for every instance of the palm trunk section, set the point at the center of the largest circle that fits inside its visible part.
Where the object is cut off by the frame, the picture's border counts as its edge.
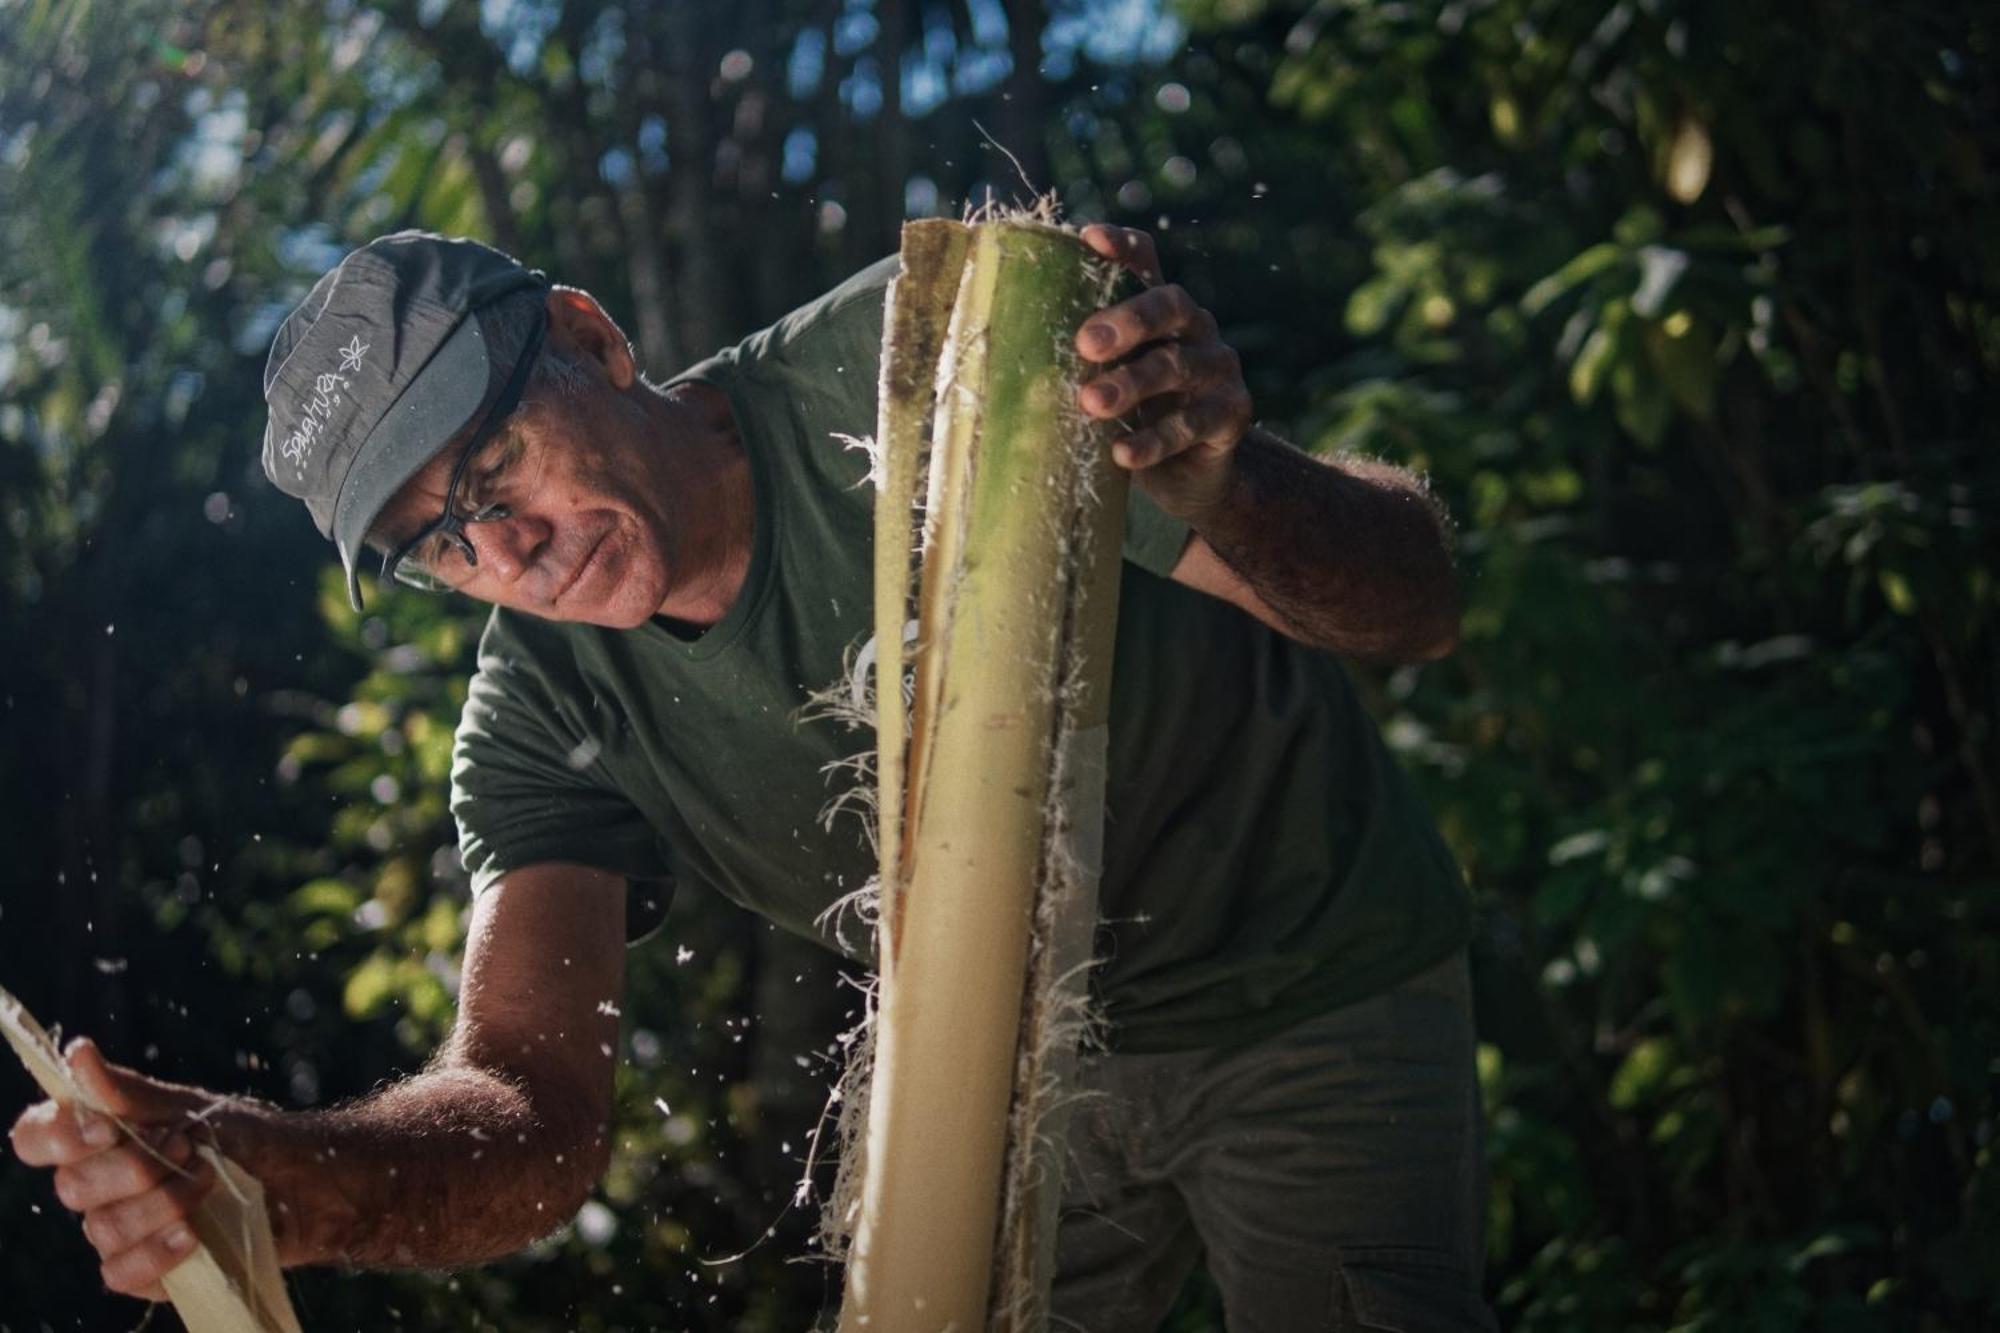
(992, 778)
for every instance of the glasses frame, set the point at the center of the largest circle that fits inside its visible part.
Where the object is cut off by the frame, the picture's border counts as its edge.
(397, 566)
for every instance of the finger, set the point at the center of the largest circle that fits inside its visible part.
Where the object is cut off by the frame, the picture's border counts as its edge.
(1171, 367)
(1128, 246)
(92, 1073)
(1158, 312)
(118, 1227)
(127, 1093)
(138, 1270)
(1215, 421)
(52, 1134)
(120, 1173)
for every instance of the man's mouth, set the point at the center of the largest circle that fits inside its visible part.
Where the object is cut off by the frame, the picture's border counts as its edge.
(582, 567)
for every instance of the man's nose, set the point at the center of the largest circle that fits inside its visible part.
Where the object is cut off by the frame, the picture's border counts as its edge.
(508, 547)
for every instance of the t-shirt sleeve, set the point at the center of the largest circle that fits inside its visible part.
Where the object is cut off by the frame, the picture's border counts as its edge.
(526, 787)
(1154, 539)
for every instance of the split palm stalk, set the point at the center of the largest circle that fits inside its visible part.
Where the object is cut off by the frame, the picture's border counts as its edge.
(231, 1283)
(991, 804)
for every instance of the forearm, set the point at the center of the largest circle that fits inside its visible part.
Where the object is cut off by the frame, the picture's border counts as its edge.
(1351, 555)
(455, 1166)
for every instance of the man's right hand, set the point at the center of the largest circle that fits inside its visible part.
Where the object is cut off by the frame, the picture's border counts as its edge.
(136, 1204)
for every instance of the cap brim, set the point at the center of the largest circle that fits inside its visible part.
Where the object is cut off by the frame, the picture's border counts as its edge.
(435, 407)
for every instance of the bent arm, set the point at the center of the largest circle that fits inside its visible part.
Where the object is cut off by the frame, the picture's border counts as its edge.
(1348, 555)
(500, 1139)
(493, 1146)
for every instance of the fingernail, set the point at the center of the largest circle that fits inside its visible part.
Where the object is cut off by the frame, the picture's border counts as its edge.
(1103, 397)
(180, 1238)
(1097, 337)
(98, 1132)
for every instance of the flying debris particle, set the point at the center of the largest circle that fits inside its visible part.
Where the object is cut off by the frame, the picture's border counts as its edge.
(111, 967)
(596, 1224)
(683, 955)
(608, 1008)
(1172, 98)
(661, 1103)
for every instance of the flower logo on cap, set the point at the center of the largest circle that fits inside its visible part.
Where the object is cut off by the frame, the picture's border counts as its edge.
(350, 355)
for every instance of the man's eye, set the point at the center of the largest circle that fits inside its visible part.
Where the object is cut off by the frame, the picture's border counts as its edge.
(487, 482)
(437, 552)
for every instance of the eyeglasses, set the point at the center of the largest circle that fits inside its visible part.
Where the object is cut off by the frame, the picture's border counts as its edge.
(407, 563)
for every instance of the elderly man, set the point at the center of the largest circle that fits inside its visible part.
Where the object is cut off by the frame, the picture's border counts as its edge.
(1288, 1085)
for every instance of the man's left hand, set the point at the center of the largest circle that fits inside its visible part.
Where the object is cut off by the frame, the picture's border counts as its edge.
(1175, 379)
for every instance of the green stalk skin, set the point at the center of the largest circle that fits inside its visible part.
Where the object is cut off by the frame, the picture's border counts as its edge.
(1054, 1006)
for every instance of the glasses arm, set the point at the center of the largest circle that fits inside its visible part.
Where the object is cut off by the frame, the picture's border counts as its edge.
(503, 406)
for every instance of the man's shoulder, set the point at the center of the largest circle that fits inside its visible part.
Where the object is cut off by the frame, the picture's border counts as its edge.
(859, 296)
(847, 317)
(529, 658)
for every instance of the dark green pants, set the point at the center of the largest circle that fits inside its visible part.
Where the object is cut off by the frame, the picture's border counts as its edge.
(1333, 1175)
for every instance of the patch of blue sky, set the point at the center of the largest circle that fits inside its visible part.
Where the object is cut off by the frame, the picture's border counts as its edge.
(979, 70)
(924, 85)
(210, 158)
(653, 144)
(603, 47)
(940, 40)
(519, 27)
(807, 64)
(801, 156)
(861, 91)
(989, 22)
(854, 30)
(920, 197)
(617, 168)
(1113, 32)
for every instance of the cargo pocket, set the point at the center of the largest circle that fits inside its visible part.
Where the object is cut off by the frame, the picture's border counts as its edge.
(1402, 1290)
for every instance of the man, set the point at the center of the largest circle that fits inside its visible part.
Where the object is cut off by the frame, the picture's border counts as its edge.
(1289, 1082)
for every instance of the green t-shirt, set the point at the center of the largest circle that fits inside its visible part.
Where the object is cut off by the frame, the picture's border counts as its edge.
(1264, 858)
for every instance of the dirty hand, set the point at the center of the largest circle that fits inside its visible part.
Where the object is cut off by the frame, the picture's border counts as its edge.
(135, 1207)
(1182, 383)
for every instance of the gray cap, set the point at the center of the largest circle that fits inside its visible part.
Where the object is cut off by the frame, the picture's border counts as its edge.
(376, 370)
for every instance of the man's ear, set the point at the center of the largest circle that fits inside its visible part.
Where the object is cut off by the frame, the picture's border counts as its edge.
(577, 321)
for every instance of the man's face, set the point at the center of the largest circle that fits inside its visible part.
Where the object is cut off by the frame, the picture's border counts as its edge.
(592, 533)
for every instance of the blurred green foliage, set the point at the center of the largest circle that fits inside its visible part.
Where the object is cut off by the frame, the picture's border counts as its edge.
(1687, 308)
